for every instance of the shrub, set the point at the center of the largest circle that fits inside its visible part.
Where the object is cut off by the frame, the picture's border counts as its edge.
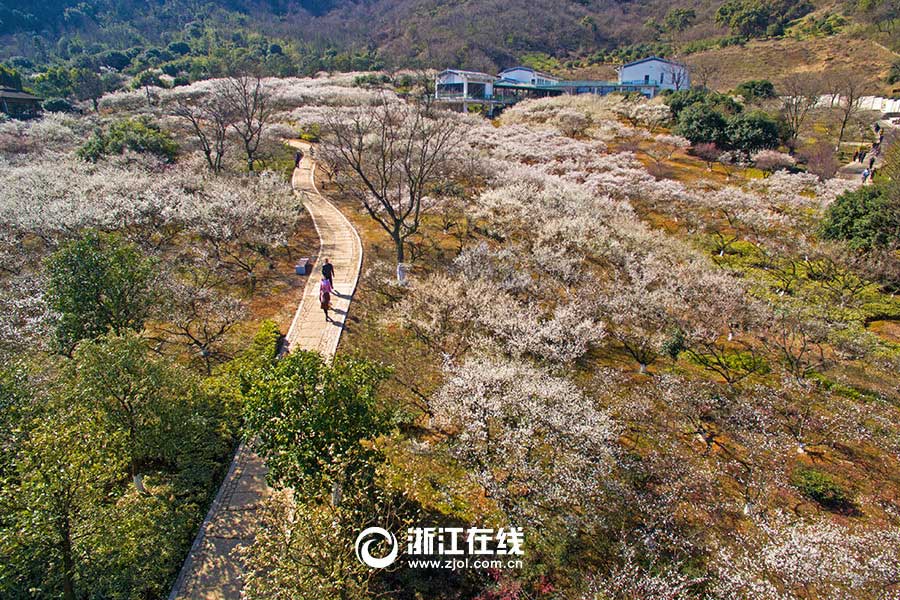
(138, 135)
(771, 160)
(701, 124)
(58, 105)
(755, 18)
(820, 159)
(822, 488)
(755, 90)
(9, 77)
(865, 218)
(305, 413)
(98, 283)
(894, 74)
(749, 132)
(683, 99)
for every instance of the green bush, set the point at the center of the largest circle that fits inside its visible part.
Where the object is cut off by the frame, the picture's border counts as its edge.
(138, 135)
(682, 99)
(304, 413)
(98, 283)
(866, 218)
(370, 80)
(822, 488)
(756, 18)
(749, 132)
(58, 105)
(700, 124)
(754, 90)
(894, 74)
(10, 78)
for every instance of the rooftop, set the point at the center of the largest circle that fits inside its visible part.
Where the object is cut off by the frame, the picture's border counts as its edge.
(649, 58)
(472, 74)
(535, 71)
(13, 94)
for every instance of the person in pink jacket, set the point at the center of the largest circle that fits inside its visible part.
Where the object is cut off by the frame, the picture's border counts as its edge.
(325, 291)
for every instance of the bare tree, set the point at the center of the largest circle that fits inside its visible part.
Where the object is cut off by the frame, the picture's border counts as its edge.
(799, 94)
(209, 120)
(200, 317)
(678, 75)
(847, 89)
(388, 157)
(249, 99)
(705, 71)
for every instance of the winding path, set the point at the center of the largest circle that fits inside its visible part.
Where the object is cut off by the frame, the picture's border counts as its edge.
(212, 569)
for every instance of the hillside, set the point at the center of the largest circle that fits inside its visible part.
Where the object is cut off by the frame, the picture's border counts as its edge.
(773, 59)
(485, 34)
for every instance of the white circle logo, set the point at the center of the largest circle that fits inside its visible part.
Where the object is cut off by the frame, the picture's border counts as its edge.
(376, 534)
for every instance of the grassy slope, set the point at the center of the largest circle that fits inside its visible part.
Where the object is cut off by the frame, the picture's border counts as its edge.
(774, 59)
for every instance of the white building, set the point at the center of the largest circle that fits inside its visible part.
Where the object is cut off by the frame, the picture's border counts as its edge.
(527, 76)
(659, 72)
(456, 84)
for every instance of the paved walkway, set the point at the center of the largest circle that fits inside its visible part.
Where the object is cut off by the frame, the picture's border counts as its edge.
(212, 570)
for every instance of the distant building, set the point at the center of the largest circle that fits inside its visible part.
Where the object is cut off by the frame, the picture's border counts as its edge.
(527, 76)
(454, 83)
(19, 104)
(654, 71)
(648, 76)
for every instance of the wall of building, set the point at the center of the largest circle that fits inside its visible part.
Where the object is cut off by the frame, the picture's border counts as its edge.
(656, 72)
(451, 84)
(528, 76)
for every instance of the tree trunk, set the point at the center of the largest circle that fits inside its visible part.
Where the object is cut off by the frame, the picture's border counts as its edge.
(138, 480)
(68, 563)
(401, 255)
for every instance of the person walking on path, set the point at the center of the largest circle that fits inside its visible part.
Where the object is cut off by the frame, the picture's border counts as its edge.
(865, 176)
(328, 272)
(325, 290)
(855, 155)
(298, 156)
(871, 162)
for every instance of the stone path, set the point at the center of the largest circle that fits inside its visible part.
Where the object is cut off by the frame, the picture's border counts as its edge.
(212, 571)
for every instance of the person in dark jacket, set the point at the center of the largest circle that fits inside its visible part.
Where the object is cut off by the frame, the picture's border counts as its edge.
(298, 156)
(328, 272)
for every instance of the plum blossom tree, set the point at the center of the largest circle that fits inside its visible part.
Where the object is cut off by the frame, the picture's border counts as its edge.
(772, 160)
(718, 313)
(533, 441)
(637, 309)
(241, 227)
(789, 558)
(708, 152)
(248, 100)
(663, 147)
(209, 120)
(572, 123)
(200, 316)
(388, 157)
(452, 315)
(797, 339)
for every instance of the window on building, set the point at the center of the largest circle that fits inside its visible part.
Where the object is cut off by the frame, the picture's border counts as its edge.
(449, 89)
(477, 90)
